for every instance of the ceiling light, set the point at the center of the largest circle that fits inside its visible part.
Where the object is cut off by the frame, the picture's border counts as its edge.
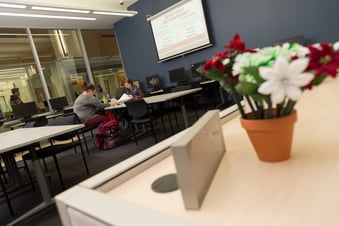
(7, 5)
(117, 13)
(62, 42)
(60, 9)
(46, 16)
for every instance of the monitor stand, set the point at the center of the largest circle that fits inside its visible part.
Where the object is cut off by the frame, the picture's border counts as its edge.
(165, 184)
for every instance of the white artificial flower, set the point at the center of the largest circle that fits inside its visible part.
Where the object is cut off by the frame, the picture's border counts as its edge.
(284, 79)
(336, 46)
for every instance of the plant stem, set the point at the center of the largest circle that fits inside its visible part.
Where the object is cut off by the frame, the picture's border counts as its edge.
(259, 105)
(279, 109)
(269, 109)
(255, 112)
(289, 107)
(236, 100)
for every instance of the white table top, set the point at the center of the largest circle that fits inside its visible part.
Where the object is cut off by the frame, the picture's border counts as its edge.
(160, 98)
(169, 96)
(13, 139)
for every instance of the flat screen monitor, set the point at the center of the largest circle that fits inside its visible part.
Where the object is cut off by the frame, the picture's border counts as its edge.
(24, 110)
(295, 39)
(196, 69)
(197, 156)
(153, 82)
(58, 103)
(177, 75)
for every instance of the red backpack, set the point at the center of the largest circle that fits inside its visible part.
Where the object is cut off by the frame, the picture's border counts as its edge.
(108, 136)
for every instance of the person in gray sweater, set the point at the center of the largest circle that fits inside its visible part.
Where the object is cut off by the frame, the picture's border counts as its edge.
(89, 109)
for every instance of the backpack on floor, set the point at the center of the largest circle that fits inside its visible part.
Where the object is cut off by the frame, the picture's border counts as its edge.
(108, 135)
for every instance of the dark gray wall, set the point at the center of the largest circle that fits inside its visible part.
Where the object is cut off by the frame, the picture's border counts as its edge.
(259, 22)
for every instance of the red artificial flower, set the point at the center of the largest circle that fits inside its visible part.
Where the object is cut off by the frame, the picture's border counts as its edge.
(323, 60)
(236, 44)
(215, 62)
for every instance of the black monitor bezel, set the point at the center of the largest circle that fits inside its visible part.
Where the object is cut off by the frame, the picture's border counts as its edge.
(174, 73)
(25, 110)
(58, 103)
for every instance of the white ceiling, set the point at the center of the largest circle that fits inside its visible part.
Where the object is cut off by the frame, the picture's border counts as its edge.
(102, 21)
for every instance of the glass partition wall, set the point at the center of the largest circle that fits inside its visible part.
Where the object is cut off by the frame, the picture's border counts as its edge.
(105, 62)
(67, 58)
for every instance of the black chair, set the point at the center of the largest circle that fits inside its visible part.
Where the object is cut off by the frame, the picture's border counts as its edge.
(119, 92)
(31, 122)
(190, 101)
(142, 114)
(4, 191)
(61, 143)
(87, 128)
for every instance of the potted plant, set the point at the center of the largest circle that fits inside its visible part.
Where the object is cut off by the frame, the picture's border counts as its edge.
(271, 80)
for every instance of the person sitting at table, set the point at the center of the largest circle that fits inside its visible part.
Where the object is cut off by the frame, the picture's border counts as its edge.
(15, 97)
(132, 90)
(89, 109)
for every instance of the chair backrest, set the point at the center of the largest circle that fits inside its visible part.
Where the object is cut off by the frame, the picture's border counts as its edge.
(119, 92)
(168, 89)
(195, 84)
(181, 88)
(35, 122)
(66, 119)
(137, 108)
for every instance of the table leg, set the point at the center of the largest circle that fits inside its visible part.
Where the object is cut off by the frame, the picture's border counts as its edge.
(44, 190)
(184, 114)
(221, 97)
(31, 212)
(12, 168)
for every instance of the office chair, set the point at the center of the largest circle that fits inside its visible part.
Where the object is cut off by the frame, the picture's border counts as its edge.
(59, 143)
(87, 128)
(31, 122)
(119, 92)
(142, 114)
(4, 191)
(189, 101)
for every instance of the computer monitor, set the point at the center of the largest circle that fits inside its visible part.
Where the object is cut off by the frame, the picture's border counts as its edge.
(153, 82)
(58, 103)
(295, 39)
(177, 75)
(196, 69)
(24, 110)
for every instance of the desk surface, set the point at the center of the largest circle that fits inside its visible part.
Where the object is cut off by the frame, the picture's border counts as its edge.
(169, 96)
(160, 98)
(13, 139)
(246, 191)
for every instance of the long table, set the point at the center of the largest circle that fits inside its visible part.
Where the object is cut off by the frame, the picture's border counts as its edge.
(14, 139)
(164, 98)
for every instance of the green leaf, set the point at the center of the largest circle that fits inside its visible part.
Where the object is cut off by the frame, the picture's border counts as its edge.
(319, 80)
(246, 88)
(254, 71)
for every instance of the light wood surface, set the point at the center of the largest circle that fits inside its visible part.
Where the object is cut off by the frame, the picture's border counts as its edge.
(246, 191)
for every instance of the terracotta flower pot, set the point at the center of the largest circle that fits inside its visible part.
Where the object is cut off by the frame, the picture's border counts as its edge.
(271, 138)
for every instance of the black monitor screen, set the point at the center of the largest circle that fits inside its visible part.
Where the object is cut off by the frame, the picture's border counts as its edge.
(24, 110)
(58, 103)
(196, 69)
(177, 75)
(295, 39)
(153, 81)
